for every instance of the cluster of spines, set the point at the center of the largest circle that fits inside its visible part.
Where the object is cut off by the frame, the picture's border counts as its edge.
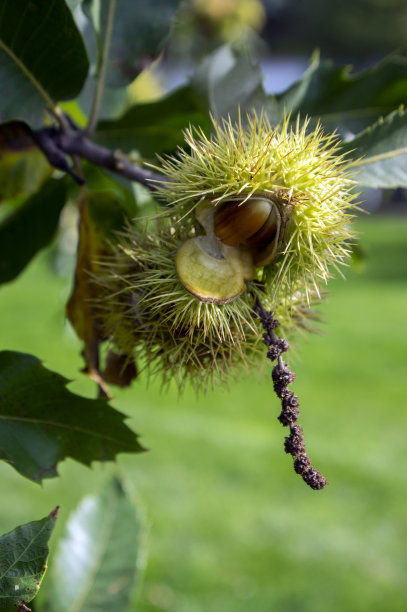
(147, 313)
(257, 157)
(282, 377)
(301, 168)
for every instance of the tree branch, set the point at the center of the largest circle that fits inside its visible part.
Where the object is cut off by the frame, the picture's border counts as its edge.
(56, 145)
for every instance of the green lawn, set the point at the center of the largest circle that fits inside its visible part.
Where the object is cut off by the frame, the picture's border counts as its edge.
(232, 528)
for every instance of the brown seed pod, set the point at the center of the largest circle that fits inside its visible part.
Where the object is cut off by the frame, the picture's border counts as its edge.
(236, 223)
(255, 223)
(240, 234)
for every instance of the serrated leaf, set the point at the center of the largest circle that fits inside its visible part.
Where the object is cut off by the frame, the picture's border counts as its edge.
(340, 97)
(231, 80)
(155, 127)
(382, 151)
(42, 57)
(42, 423)
(97, 561)
(30, 228)
(23, 561)
(138, 33)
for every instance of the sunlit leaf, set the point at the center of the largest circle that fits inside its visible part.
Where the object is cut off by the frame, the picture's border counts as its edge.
(23, 167)
(41, 422)
(382, 151)
(97, 561)
(22, 173)
(23, 561)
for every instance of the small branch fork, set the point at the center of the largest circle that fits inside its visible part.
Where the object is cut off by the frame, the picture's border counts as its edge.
(282, 377)
(57, 144)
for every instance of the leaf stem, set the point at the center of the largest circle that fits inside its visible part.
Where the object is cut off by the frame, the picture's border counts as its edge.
(56, 144)
(381, 156)
(97, 100)
(51, 106)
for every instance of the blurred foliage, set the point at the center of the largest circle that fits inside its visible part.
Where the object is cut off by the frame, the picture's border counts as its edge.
(203, 25)
(343, 29)
(97, 573)
(346, 30)
(345, 100)
(22, 173)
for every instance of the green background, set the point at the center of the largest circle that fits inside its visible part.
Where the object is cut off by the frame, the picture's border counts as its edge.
(232, 527)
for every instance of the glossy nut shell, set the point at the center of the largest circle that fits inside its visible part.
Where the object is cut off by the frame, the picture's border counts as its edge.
(255, 224)
(237, 223)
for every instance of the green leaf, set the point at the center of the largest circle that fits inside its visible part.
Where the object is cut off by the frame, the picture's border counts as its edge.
(41, 422)
(231, 80)
(42, 57)
(342, 98)
(23, 561)
(97, 561)
(113, 100)
(23, 167)
(382, 151)
(139, 29)
(155, 127)
(73, 4)
(22, 174)
(30, 228)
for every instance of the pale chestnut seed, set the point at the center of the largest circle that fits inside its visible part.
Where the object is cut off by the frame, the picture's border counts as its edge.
(210, 279)
(241, 258)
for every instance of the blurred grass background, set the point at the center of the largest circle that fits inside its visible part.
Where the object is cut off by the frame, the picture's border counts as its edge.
(232, 527)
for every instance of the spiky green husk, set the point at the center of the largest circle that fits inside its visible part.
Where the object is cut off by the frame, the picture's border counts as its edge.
(301, 169)
(148, 313)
